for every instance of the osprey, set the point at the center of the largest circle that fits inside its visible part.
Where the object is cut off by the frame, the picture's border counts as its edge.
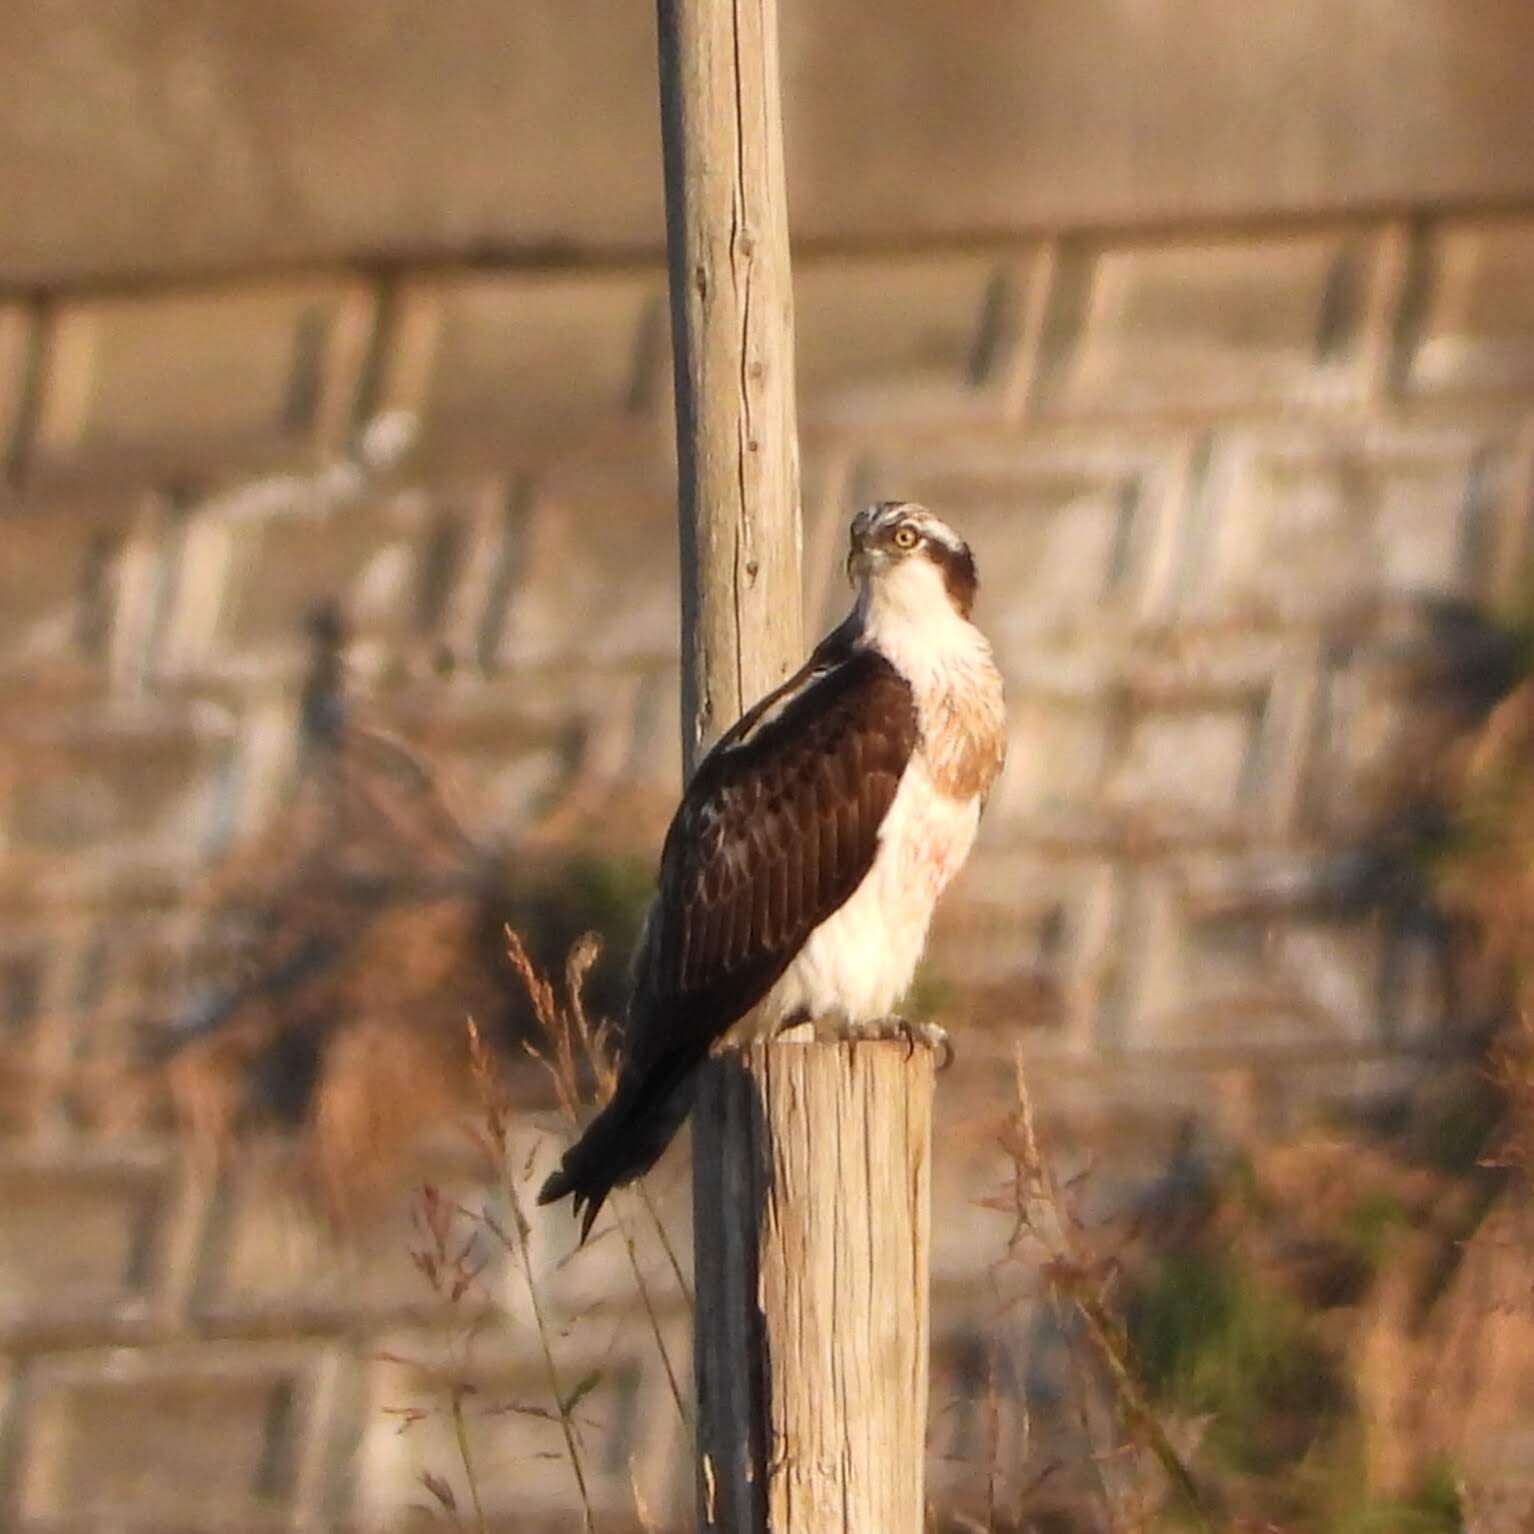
(800, 873)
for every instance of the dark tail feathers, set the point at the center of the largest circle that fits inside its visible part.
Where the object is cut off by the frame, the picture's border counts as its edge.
(622, 1142)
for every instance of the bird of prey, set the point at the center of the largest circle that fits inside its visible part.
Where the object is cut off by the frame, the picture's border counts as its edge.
(799, 875)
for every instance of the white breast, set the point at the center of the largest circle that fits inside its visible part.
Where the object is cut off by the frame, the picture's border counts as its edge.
(859, 962)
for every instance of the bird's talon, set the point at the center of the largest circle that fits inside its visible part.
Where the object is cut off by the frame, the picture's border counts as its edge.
(933, 1035)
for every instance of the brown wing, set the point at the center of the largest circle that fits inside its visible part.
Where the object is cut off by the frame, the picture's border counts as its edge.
(778, 828)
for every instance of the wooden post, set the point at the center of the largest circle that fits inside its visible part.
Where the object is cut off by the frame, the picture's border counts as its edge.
(811, 1200)
(810, 1160)
(732, 328)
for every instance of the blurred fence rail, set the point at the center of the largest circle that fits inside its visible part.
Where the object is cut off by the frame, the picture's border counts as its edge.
(238, 139)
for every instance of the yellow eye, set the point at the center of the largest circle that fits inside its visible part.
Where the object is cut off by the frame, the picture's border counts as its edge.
(906, 537)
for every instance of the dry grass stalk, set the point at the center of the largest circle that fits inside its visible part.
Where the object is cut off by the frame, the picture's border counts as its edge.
(496, 1121)
(1045, 1225)
(576, 1045)
(450, 1257)
(446, 1258)
(1484, 878)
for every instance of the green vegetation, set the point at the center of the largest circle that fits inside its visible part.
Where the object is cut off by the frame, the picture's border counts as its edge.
(612, 891)
(1341, 1501)
(931, 997)
(1433, 1509)
(1370, 1223)
(555, 903)
(1214, 1337)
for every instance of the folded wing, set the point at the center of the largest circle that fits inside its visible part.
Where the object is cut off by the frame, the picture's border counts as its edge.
(778, 827)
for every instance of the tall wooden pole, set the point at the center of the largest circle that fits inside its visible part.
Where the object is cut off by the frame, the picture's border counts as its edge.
(732, 328)
(810, 1160)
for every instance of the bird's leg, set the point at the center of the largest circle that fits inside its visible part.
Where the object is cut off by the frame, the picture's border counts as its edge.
(910, 1034)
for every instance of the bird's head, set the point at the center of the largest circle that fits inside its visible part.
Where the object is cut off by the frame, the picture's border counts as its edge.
(901, 550)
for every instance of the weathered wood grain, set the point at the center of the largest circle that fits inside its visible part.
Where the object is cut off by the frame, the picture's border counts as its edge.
(733, 347)
(812, 1206)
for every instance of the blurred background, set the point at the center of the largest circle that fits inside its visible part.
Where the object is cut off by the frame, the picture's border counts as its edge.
(338, 631)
